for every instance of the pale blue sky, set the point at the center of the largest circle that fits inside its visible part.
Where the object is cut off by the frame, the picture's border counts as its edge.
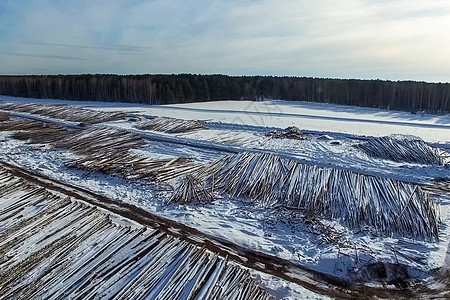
(390, 39)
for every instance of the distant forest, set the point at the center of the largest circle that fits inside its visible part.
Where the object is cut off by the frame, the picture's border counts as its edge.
(168, 89)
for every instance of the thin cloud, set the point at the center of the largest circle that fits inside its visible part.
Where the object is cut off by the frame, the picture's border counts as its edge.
(395, 39)
(42, 56)
(128, 49)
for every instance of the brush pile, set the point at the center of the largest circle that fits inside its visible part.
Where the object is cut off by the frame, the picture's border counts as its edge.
(191, 190)
(359, 202)
(400, 148)
(171, 125)
(64, 112)
(287, 133)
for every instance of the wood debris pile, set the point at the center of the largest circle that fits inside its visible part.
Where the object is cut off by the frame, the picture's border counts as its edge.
(287, 133)
(64, 112)
(171, 125)
(359, 202)
(400, 148)
(190, 190)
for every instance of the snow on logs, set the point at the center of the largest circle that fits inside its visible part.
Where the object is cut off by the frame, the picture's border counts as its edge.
(64, 112)
(190, 190)
(385, 206)
(171, 125)
(110, 151)
(55, 247)
(400, 148)
(359, 202)
(102, 149)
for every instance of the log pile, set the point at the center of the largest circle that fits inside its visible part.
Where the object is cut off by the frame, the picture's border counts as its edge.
(4, 116)
(359, 202)
(64, 112)
(102, 149)
(99, 139)
(171, 125)
(134, 167)
(190, 190)
(110, 151)
(287, 133)
(56, 247)
(24, 125)
(400, 148)
(35, 131)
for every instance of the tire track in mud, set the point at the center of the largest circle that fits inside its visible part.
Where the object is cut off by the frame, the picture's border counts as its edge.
(315, 281)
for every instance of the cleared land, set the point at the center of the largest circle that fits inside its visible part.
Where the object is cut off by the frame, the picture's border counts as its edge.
(335, 213)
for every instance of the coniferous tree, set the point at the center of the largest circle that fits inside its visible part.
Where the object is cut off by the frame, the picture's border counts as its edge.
(161, 89)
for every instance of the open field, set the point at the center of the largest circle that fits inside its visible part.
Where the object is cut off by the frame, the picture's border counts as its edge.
(307, 116)
(342, 213)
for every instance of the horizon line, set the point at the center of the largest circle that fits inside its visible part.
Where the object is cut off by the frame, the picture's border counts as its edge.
(223, 74)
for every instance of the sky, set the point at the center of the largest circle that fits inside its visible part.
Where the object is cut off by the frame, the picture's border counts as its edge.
(368, 39)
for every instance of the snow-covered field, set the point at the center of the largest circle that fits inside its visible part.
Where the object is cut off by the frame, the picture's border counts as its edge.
(309, 116)
(333, 131)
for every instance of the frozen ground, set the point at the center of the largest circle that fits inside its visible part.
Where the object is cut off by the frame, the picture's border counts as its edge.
(272, 231)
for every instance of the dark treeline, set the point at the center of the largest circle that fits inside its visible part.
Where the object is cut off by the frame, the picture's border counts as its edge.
(166, 89)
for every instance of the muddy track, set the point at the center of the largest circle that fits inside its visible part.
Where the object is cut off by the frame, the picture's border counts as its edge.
(310, 279)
